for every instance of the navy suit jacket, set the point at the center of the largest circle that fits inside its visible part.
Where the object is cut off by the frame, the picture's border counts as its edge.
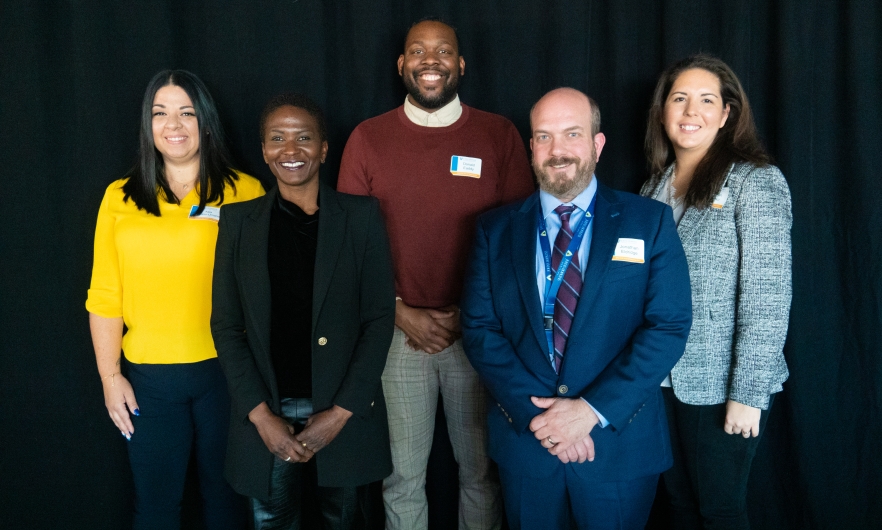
(630, 328)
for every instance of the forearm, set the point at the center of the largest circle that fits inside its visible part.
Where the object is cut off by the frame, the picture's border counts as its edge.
(107, 341)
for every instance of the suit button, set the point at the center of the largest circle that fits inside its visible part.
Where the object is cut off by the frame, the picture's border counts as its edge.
(372, 403)
(322, 341)
(509, 420)
(563, 389)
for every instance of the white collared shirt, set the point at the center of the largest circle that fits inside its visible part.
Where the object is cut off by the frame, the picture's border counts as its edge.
(443, 117)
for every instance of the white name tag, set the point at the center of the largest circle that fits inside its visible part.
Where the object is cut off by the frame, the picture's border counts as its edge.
(629, 250)
(720, 199)
(210, 213)
(465, 166)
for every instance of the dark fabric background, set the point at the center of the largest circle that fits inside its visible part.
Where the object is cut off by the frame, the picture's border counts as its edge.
(72, 75)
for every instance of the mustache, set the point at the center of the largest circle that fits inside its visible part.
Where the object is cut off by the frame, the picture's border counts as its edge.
(560, 160)
(440, 70)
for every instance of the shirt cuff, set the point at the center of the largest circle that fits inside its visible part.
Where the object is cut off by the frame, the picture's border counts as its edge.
(603, 422)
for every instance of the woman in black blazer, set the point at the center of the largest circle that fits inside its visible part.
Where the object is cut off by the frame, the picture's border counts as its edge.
(302, 316)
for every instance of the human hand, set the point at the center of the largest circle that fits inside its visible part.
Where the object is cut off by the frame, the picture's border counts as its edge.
(564, 423)
(579, 452)
(429, 330)
(119, 398)
(323, 427)
(278, 435)
(741, 419)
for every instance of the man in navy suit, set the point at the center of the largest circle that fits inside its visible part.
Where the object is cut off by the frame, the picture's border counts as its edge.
(573, 335)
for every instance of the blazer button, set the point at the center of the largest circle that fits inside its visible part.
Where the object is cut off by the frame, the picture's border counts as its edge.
(563, 389)
(372, 403)
(509, 420)
(322, 341)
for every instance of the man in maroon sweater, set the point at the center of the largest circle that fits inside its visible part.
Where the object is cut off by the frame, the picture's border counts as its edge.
(435, 165)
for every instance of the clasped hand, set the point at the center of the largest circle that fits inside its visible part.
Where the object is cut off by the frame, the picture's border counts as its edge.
(429, 330)
(564, 428)
(278, 435)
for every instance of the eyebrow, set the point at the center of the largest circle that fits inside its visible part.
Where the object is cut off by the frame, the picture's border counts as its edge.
(703, 94)
(183, 106)
(568, 129)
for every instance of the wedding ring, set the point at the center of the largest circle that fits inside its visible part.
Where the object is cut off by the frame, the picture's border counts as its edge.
(288, 459)
(552, 442)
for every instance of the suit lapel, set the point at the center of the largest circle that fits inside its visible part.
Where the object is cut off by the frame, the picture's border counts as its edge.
(605, 234)
(331, 232)
(255, 280)
(524, 223)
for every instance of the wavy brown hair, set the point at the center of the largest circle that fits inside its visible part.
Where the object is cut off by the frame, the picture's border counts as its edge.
(736, 141)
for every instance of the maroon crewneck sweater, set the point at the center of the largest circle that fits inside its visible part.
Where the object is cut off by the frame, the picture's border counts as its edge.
(430, 212)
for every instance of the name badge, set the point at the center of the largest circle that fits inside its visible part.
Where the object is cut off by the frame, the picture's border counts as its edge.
(465, 166)
(210, 213)
(720, 199)
(629, 250)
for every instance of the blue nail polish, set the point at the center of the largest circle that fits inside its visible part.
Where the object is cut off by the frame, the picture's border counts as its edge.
(126, 436)
(136, 412)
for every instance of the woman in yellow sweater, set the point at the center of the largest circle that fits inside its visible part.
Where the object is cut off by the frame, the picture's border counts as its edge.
(154, 255)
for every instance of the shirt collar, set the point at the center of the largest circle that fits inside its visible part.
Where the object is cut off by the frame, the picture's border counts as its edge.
(446, 115)
(549, 202)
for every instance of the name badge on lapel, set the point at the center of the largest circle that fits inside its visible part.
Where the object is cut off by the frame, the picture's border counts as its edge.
(720, 199)
(210, 213)
(629, 250)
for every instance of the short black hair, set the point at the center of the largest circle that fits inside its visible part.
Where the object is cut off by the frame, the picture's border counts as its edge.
(433, 19)
(297, 100)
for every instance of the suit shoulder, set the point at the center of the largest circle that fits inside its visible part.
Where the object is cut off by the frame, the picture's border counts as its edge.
(501, 214)
(241, 208)
(357, 203)
(638, 202)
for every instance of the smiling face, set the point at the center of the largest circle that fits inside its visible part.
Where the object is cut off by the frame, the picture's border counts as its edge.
(293, 148)
(694, 112)
(431, 65)
(565, 152)
(175, 126)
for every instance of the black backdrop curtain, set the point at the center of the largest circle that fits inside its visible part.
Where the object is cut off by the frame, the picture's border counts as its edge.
(72, 74)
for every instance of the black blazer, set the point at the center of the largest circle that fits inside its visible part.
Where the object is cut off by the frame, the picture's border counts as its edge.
(353, 315)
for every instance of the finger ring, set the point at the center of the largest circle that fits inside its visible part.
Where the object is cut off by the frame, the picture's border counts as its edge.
(303, 444)
(288, 459)
(552, 442)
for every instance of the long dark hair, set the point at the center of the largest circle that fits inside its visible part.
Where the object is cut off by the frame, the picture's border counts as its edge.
(737, 141)
(215, 166)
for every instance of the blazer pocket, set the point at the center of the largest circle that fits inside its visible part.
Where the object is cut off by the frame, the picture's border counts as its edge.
(622, 270)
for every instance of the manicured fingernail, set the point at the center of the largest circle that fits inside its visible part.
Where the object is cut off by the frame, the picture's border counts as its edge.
(136, 412)
(127, 436)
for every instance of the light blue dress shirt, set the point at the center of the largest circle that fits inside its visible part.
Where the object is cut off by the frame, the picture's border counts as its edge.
(548, 203)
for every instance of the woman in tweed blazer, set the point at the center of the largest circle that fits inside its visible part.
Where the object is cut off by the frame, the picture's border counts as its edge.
(733, 215)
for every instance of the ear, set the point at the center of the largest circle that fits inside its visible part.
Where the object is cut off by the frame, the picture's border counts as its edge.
(324, 150)
(725, 116)
(599, 142)
(461, 65)
(531, 145)
(401, 64)
(263, 150)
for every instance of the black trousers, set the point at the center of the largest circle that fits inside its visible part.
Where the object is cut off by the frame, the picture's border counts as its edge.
(708, 483)
(184, 408)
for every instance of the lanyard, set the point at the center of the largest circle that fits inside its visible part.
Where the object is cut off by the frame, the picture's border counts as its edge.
(552, 284)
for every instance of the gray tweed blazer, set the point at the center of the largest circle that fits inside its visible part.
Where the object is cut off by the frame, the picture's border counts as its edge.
(739, 266)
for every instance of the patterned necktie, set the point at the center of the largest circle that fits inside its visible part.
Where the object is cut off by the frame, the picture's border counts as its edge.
(568, 295)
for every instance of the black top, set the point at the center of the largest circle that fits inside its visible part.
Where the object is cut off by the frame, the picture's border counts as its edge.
(291, 260)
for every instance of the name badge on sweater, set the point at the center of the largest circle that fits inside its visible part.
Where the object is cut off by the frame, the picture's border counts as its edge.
(629, 250)
(465, 166)
(720, 199)
(210, 213)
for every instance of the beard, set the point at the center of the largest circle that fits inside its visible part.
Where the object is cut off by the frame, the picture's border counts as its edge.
(558, 184)
(435, 101)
